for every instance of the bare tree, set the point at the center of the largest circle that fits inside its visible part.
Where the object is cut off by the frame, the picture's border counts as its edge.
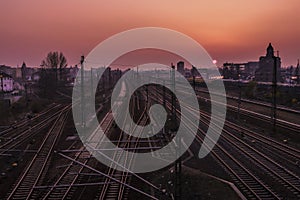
(51, 72)
(57, 62)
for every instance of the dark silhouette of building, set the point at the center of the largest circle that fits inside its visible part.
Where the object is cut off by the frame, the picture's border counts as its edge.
(8, 70)
(231, 70)
(264, 73)
(250, 69)
(297, 73)
(180, 67)
(235, 71)
(24, 71)
(6, 82)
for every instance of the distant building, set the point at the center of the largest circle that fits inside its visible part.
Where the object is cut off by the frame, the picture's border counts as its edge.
(187, 73)
(18, 73)
(6, 82)
(250, 69)
(116, 74)
(297, 73)
(8, 70)
(253, 70)
(36, 76)
(233, 70)
(24, 71)
(264, 72)
(245, 71)
(180, 67)
(27, 72)
(18, 85)
(72, 73)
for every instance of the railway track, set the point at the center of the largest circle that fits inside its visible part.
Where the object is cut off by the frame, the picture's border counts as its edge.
(286, 150)
(250, 184)
(24, 133)
(267, 119)
(72, 182)
(33, 173)
(63, 187)
(67, 183)
(256, 162)
(260, 164)
(280, 123)
(234, 155)
(14, 129)
(277, 150)
(282, 153)
(259, 103)
(116, 190)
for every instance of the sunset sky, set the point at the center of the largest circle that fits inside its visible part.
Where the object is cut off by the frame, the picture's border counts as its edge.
(231, 30)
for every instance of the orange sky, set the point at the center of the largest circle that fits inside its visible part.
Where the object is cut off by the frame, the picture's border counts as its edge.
(231, 30)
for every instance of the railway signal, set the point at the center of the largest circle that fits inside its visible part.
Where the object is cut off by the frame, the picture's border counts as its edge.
(82, 92)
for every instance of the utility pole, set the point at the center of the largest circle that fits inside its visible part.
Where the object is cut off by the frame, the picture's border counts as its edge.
(178, 163)
(82, 92)
(92, 86)
(157, 78)
(103, 81)
(194, 83)
(109, 77)
(297, 72)
(173, 89)
(164, 93)
(137, 97)
(240, 95)
(274, 91)
(137, 74)
(147, 95)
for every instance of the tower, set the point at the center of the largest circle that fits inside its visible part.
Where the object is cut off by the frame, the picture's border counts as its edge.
(270, 51)
(24, 71)
(180, 67)
(264, 73)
